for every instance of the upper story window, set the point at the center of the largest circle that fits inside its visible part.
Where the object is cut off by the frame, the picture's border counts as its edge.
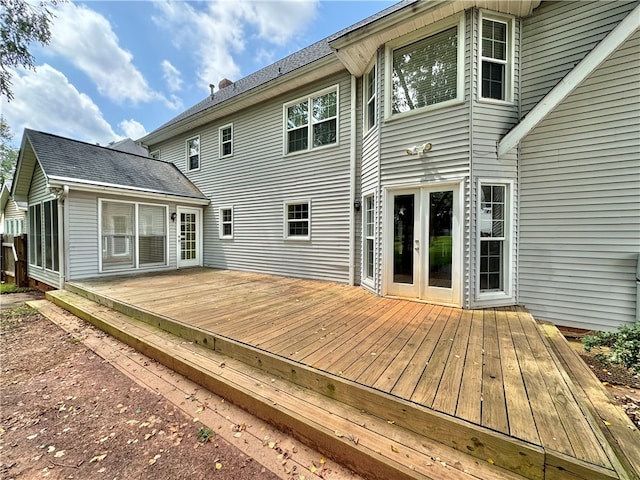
(495, 58)
(312, 122)
(428, 71)
(226, 141)
(155, 155)
(370, 88)
(193, 153)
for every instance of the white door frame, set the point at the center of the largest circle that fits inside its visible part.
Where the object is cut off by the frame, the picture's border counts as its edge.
(419, 289)
(197, 261)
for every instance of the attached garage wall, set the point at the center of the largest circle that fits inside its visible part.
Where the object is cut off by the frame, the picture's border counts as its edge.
(580, 201)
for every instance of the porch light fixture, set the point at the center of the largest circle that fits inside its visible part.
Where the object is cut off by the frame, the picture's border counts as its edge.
(357, 205)
(419, 149)
(173, 216)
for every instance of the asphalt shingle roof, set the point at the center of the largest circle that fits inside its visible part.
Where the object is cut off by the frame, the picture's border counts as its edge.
(84, 162)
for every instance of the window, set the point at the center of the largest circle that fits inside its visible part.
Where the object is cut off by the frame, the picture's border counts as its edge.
(13, 226)
(312, 122)
(493, 238)
(427, 72)
(132, 235)
(155, 155)
(226, 223)
(43, 235)
(495, 67)
(370, 88)
(369, 236)
(226, 141)
(297, 220)
(193, 153)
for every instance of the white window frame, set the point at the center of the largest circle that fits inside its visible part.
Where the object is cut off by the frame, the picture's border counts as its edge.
(507, 292)
(509, 63)
(188, 166)
(365, 238)
(286, 220)
(36, 222)
(223, 223)
(309, 100)
(136, 234)
(456, 20)
(222, 143)
(366, 99)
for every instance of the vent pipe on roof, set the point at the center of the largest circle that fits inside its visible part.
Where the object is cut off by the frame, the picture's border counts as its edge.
(212, 87)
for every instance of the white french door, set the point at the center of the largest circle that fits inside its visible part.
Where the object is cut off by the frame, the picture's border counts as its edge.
(423, 243)
(189, 233)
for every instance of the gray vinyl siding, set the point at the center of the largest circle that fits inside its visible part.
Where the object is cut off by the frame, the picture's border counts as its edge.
(38, 193)
(490, 122)
(580, 201)
(83, 235)
(257, 181)
(558, 36)
(448, 129)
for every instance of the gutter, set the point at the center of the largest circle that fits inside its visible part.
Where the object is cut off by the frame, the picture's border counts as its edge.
(571, 81)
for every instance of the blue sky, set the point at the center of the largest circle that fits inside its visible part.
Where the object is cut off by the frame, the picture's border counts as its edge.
(116, 69)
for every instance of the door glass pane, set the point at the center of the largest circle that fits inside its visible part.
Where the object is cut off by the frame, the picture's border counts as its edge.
(187, 236)
(440, 239)
(403, 236)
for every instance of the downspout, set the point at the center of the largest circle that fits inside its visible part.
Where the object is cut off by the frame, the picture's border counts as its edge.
(62, 236)
(352, 180)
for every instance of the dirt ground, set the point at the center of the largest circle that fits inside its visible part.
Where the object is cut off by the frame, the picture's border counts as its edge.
(66, 413)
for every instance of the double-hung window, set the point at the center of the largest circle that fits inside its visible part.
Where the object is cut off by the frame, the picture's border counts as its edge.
(297, 220)
(226, 141)
(426, 69)
(193, 153)
(495, 58)
(226, 222)
(369, 89)
(494, 227)
(369, 237)
(312, 122)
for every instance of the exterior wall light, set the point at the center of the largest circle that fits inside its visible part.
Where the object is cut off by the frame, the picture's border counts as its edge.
(419, 149)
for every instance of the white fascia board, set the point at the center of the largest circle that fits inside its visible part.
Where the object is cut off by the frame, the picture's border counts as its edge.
(74, 184)
(571, 81)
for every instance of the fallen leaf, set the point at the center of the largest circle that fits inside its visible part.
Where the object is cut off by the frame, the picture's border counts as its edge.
(338, 434)
(218, 466)
(51, 449)
(272, 444)
(490, 460)
(59, 453)
(607, 423)
(394, 449)
(31, 437)
(154, 459)
(98, 458)
(313, 469)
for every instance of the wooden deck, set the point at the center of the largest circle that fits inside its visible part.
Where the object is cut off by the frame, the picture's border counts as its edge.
(488, 369)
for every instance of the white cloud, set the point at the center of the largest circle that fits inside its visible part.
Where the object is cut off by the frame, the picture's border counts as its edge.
(46, 101)
(132, 128)
(221, 28)
(86, 39)
(172, 76)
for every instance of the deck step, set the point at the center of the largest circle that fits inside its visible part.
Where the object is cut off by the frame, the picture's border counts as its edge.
(370, 445)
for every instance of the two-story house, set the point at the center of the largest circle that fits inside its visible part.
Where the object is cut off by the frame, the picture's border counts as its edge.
(469, 153)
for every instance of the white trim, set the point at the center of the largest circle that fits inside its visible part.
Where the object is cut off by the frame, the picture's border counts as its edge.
(571, 81)
(423, 33)
(188, 158)
(509, 63)
(95, 187)
(353, 170)
(507, 295)
(221, 143)
(285, 230)
(221, 224)
(309, 99)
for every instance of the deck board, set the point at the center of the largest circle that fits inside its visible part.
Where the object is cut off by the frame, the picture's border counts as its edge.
(489, 367)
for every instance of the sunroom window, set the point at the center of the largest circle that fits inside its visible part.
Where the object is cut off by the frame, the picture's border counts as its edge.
(312, 122)
(425, 72)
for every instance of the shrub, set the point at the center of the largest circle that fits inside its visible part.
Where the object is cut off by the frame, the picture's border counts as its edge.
(623, 346)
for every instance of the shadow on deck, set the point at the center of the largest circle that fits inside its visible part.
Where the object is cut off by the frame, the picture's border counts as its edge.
(484, 388)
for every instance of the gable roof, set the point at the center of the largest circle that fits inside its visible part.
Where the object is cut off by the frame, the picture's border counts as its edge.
(70, 162)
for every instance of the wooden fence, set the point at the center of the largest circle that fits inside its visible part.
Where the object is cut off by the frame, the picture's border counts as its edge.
(13, 259)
